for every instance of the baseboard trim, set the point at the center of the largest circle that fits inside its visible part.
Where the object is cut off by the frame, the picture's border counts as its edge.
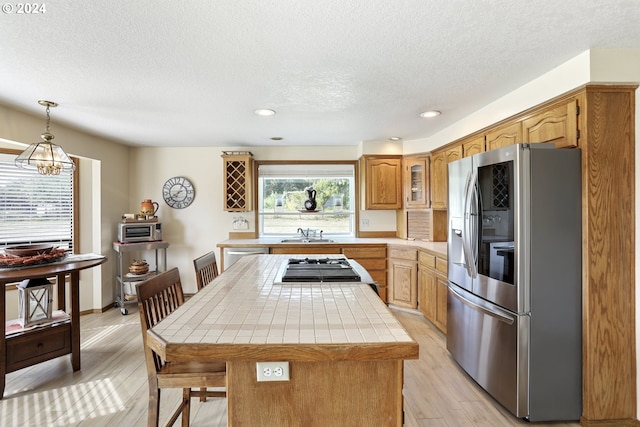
(624, 422)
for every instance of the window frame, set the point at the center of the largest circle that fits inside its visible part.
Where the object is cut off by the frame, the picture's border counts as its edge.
(356, 183)
(75, 233)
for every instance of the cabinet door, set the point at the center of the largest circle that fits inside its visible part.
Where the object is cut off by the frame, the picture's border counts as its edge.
(403, 281)
(441, 303)
(416, 188)
(453, 153)
(473, 146)
(503, 136)
(439, 175)
(439, 181)
(427, 293)
(383, 183)
(558, 124)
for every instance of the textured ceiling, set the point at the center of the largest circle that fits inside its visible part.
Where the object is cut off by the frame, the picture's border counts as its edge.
(190, 73)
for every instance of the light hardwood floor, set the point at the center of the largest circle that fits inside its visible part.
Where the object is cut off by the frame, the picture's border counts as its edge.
(111, 388)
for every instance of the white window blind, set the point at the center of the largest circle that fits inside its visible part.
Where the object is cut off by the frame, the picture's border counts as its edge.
(34, 208)
(306, 170)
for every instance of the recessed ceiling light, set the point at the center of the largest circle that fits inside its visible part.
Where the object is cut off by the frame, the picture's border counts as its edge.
(395, 138)
(429, 114)
(264, 112)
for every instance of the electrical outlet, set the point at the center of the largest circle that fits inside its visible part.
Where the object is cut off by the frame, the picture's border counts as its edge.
(272, 371)
(364, 222)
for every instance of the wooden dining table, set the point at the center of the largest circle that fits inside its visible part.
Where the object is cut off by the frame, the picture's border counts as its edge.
(46, 341)
(343, 346)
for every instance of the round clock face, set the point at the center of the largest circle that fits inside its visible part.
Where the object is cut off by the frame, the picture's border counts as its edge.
(178, 192)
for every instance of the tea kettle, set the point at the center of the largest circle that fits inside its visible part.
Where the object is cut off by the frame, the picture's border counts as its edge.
(310, 204)
(148, 208)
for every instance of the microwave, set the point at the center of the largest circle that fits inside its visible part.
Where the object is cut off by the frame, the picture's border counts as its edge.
(139, 232)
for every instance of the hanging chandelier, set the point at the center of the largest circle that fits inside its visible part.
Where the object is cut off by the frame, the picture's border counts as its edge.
(44, 156)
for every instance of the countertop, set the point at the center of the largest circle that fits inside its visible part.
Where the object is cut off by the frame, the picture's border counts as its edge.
(244, 315)
(440, 248)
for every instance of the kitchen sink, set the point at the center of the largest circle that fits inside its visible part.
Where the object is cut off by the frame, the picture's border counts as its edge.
(305, 240)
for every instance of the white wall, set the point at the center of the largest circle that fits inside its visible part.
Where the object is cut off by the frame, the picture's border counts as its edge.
(594, 66)
(197, 229)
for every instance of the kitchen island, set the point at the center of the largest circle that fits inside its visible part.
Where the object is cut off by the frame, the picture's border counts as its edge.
(344, 347)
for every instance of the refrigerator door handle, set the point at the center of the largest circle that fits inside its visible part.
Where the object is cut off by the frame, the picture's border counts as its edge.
(475, 205)
(485, 310)
(468, 231)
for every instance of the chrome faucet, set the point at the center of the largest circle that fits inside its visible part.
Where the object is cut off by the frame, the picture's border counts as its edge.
(302, 233)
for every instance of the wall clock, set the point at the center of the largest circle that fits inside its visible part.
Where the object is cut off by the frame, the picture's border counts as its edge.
(178, 192)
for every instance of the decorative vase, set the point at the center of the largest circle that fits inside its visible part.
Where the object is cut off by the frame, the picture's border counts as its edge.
(310, 204)
(148, 208)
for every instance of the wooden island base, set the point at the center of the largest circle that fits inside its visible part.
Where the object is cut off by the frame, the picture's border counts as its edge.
(318, 393)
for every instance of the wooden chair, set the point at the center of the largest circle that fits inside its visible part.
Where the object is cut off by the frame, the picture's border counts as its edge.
(158, 297)
(206, 269)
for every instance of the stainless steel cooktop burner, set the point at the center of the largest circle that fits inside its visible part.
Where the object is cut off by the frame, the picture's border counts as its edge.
(319, 270)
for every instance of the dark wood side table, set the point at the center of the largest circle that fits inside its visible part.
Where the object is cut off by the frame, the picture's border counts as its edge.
(46, 342)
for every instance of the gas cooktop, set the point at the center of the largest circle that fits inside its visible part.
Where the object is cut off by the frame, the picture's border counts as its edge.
(319, 270)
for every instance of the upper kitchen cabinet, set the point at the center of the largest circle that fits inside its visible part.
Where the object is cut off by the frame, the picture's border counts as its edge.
(473, 145)
(439, 162)
(503, 136)
(237, 169)
(415, 172)
(382, 183)
(557, 124)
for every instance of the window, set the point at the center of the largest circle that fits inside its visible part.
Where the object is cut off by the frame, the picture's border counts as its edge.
(35, 208)
(284, 188)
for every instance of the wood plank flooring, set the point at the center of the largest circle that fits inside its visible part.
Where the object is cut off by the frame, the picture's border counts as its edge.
(111, 388)
(438, 393)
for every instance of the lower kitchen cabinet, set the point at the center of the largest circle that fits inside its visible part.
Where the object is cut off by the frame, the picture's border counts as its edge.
(403, 277)
(427, 292)
(441, 302)
(432, 288)
(374, 260)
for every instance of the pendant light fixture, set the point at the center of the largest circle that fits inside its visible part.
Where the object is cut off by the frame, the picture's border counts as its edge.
(46, 157)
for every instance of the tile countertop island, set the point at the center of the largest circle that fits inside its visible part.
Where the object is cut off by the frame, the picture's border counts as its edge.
(344, 347)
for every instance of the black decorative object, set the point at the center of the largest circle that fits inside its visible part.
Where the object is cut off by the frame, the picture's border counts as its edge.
(310, 204)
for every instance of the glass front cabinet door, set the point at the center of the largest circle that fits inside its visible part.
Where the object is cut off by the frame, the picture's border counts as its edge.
(416, 182)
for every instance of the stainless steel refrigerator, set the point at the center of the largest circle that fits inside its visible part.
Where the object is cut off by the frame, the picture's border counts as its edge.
(514, 319)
